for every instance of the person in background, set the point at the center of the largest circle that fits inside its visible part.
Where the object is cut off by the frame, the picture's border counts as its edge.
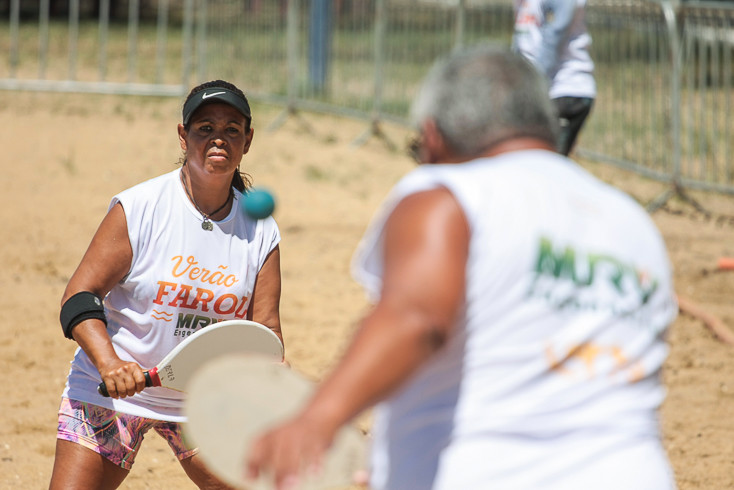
(521, 306)
(553, 35)
(173, 254)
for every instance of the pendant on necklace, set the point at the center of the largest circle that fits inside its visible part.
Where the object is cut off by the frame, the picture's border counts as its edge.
(207, 225)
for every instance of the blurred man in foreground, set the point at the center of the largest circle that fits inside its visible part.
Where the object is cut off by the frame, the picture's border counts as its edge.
(520, 309)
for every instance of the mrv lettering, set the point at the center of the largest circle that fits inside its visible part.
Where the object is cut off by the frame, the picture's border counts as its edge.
(568, 278)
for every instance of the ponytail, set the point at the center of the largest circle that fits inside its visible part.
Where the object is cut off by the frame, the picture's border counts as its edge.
(241, 181)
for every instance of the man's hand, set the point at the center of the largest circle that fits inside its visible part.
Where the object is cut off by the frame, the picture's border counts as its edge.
(291, 449)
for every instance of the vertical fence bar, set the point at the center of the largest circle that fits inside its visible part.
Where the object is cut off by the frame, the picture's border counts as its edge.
(319, 44)
(43, 8)
(671, 23)
(293, 9)
(380, 30)
(104, 31)
(14, 35)
(727, 75)
(133, 17)
(460, 24)
(186, 49)
(690, 90)
(714, 87)
(201, 45)
(160, 41)
(629, 94)
(675, 91)
(636, 95)
(73, 37)
(703, 66)
(657, 110)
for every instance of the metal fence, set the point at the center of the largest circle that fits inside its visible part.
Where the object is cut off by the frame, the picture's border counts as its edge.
(664, 71)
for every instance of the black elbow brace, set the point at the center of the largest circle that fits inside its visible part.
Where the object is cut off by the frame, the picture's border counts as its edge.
(82, 306)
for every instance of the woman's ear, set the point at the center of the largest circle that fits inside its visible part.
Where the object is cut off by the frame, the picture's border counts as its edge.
(182, 136)
(248, 140)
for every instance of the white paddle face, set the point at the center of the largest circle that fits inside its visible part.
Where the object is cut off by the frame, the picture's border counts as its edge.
(227, 337)
(222, 338)
(235, 398)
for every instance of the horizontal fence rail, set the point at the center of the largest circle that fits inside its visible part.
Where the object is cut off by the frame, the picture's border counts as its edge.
(665, 71)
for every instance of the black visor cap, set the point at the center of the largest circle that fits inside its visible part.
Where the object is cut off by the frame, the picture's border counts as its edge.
(215, 94)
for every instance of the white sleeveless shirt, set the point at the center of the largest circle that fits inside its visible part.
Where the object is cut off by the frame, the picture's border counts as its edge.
(182, 278)
(553, 35)
(554, 370)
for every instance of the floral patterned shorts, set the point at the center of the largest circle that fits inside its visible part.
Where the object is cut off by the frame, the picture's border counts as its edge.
(115, 436)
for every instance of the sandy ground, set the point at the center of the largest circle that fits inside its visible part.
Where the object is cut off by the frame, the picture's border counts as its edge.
(64, 156)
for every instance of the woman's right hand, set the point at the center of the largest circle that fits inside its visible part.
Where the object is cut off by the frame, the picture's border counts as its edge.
(122, 378)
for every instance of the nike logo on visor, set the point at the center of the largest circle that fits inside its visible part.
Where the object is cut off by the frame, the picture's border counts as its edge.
(206, 96)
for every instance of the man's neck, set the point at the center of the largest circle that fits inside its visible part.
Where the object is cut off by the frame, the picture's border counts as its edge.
(517, 144)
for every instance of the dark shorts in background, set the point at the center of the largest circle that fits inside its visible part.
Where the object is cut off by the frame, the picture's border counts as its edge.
(572, 112)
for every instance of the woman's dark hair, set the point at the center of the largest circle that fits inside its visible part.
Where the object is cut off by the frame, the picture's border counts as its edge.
(240, 180)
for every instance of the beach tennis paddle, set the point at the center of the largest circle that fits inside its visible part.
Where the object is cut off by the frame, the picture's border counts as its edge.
(233, 399)
(221, 338)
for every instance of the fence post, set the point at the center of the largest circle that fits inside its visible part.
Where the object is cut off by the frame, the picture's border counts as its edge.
(379, 53)
(671, 23)
(293, 10)
(460, 24)
(201, 46)
(73, 37)
(133, 16)
(14, 46)
(43, 13)
(380, 29)
(188, 27)
(294, 7)
(104, 27)
(319, 44)
(161, 39)
(676, 189)
(675, 96)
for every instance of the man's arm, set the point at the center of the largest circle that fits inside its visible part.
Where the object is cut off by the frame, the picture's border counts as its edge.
(425, 252)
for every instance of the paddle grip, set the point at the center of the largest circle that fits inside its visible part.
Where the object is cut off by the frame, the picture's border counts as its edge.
(102, 388)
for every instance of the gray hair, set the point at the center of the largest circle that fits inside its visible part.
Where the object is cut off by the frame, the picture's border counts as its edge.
(484, 95)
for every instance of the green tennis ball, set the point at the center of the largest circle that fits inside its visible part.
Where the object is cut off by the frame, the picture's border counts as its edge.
(258, 203)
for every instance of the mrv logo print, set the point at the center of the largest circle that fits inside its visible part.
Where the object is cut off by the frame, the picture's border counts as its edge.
(569, 278)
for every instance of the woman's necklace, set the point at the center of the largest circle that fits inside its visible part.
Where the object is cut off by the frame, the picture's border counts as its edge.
(207, 223)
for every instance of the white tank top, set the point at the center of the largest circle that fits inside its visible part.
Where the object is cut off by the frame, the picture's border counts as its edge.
(553, 35)
(569, 294)
(182, 278)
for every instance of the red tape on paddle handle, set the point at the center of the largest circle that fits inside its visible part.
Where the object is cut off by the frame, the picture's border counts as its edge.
(151, 379)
